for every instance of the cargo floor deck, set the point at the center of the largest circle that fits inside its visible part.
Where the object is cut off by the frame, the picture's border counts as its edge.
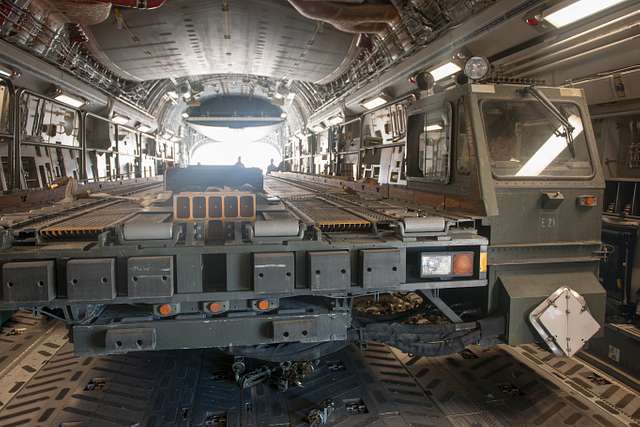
(43, 383)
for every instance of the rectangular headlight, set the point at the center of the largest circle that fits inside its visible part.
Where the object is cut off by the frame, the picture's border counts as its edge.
(435, 264)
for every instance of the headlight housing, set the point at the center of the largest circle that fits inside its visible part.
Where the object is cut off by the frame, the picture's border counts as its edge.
(477, 67)
(454, 264)
(435, 265)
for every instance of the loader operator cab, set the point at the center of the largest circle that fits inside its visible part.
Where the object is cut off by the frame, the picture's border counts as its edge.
(523, 161)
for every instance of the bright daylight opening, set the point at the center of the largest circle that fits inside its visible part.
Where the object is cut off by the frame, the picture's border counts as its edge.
(253, 154)
(227, 144)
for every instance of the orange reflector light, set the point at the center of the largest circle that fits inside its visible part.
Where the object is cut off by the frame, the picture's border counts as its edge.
(165, 309)
(215, 307)
(483, 262)
(263, 304)
(463, 264)
(589, 201)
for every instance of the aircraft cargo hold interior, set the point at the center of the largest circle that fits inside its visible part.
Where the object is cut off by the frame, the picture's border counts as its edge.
(306, 213)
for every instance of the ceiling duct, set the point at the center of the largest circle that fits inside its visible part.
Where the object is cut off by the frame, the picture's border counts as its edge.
(136, 4)
(93, 12)
(350, 18)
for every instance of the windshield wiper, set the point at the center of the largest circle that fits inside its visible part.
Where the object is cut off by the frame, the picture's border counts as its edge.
(564, 121)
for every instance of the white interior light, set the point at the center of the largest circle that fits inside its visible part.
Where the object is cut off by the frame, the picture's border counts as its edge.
(283, 115)
(176, 139)
(143, 128)
(374, 102)
(290, 96)
(120, 120)
(445, 70)
(317, 128)
(185, 115)
(172, 94)
(569, 13)
(69, 100)
(550, 150)
(431, 128)
(335, 120)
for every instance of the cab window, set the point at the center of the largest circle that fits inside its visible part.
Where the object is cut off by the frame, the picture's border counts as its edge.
(464, 143)
(525, 141)
(431, 144)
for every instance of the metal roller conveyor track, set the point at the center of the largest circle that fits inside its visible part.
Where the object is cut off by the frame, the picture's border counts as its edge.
(335, 211)
(90, 225)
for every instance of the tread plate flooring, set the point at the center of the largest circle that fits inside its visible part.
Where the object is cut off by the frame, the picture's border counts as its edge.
(378, 386)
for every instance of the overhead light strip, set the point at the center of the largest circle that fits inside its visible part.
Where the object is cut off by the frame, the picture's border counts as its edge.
(119, 119)
(569, 12)
(444, 71)
(375, 102)
(69, 100)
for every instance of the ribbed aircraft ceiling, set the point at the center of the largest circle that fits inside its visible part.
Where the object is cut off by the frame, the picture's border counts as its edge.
(191, 37)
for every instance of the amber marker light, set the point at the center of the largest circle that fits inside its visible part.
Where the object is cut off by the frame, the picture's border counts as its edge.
(165, 309)
(463, 264)
(483, 262)
(588, 201)
(215, 307)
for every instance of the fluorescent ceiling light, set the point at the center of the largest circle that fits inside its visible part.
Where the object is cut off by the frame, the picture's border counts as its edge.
(120, 120)
(335, 120)
(317, 128)
(374, 102)
(176, 139)
(430, 128)
(444, 71)
(550, 150)
(143, 128)
(69, 100)
(566, 14)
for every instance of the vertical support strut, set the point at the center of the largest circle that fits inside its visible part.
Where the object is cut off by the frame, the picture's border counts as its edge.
(433, 295)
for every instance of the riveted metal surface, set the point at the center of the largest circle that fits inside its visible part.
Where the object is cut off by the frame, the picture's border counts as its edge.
(28, 281)
(329, 270)
(273, 271)
(150, 276)
(382, 267)
(91, 279)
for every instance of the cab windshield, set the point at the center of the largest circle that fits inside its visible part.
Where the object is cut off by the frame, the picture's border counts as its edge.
(525, 141)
